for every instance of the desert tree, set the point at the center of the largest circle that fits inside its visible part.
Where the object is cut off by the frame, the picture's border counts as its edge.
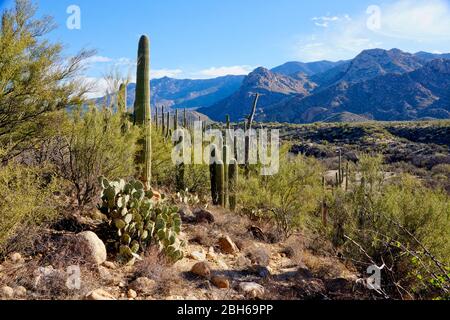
(36, 80)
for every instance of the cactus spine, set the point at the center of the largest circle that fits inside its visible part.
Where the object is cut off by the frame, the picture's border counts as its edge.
(142, 111)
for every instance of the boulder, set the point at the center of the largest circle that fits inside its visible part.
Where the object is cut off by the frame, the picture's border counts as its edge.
(6, 292)
(99, 294)
(227, 246)
(90, 248)
(201, 269)
(20, 292)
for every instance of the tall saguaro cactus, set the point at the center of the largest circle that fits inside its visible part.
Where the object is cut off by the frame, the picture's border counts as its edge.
(122, 99)
(142, 111)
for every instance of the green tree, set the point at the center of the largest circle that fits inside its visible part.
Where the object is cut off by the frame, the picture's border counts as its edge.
(35, 78)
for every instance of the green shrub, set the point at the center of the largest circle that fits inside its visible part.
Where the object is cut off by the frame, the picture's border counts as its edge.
(287, 198)
(27, 199)
(91, 144)
(400, 224)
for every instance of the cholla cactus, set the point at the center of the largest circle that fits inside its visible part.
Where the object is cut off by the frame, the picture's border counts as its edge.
(139, 220)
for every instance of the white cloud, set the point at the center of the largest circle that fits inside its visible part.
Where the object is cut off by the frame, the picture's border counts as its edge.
(99, 87)
(411, 25)
(214, 72)
(325, 21)
(98, 59)
(420, 20)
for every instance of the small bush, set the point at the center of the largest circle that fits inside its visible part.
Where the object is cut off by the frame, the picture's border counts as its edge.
(91, 144)
(27, 199)
(287, 198)
(400, 224)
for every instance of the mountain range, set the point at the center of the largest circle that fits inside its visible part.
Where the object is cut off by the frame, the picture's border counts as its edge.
(376, 85)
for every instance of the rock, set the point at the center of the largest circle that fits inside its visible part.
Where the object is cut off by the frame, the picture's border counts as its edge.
(252, 289)
(16, 258)
(106, 275)
(211, 254)
(227, 245)
(131, 294)
(20, 292)
(243, 262)
(204, 216)
(91, 248)
(220, 282)
(99, 294)
(110, 265)
(222, 265)
(6, 292)
(143, 285)
(201, 269)
(259, 256)
(198, 255)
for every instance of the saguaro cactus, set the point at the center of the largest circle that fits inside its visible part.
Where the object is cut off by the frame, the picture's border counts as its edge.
(142, 111)
(122, 99)
(175, 120)
(213, 180)
(220, 182)
(185, 123)
(233, 176)
(225, 174)
(163, 122)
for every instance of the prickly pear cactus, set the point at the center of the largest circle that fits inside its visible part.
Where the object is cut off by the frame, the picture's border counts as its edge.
(138, 220)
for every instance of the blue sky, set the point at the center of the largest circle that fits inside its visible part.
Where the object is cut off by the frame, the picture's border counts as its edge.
(208, 38)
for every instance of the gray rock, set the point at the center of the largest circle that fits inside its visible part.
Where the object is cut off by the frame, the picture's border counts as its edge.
(90, 247)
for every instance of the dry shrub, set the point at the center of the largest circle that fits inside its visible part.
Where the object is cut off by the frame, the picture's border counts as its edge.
(48, 283)
(157, 267)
